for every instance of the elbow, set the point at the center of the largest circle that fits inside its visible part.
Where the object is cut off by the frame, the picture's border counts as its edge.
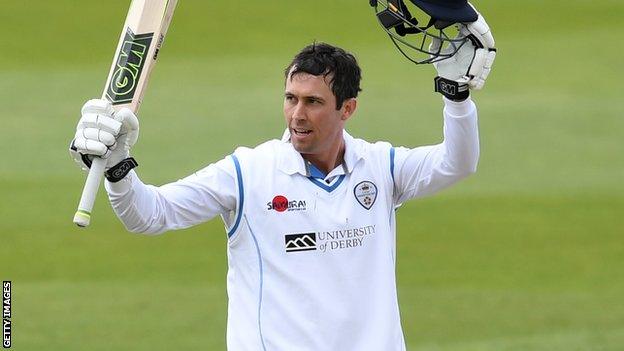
(469, 169)
(470, 166)
(460, 170)
(461, 162)
(465, 173)
(472, 169)
(136, 223)
(143, 229)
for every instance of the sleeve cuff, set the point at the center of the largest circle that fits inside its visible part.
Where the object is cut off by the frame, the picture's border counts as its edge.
(458, 109)
(121, 187)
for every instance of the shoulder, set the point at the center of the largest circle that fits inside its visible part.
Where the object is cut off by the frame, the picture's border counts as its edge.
(262, 155)
(371, 149)
(233, 165)
(267, 148)
(377, 156)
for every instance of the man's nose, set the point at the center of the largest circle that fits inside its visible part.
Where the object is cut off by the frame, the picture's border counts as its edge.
(299, 112)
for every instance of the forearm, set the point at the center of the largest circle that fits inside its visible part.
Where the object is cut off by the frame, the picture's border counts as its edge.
(461, 137)
(149, 209)
(140, 207)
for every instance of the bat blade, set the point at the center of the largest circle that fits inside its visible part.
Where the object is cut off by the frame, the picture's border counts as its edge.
(143, 34)
(137, 51)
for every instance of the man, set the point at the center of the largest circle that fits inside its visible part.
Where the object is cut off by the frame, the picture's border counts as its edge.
(310, 218)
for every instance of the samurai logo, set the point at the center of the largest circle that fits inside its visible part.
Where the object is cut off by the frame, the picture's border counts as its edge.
(366, 194)
(280, 204)
(128, 68)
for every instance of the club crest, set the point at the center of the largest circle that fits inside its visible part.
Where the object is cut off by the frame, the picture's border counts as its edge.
(366, 194)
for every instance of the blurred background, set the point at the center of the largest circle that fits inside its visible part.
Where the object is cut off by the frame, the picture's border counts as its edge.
(528, 254)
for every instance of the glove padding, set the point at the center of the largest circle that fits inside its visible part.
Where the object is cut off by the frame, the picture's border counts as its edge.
(105, 133)
(470, 66)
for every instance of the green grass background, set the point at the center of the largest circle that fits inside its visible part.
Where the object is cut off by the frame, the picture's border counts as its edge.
(528, 254)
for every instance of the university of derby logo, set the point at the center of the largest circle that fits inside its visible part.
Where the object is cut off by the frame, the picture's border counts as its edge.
(300, 242)
(366, 194)
(330, 240)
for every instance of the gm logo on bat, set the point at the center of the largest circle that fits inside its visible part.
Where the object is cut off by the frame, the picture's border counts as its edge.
(130, 62)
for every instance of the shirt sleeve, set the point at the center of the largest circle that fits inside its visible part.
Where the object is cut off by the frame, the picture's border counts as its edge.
(195, 199)
(424, 170)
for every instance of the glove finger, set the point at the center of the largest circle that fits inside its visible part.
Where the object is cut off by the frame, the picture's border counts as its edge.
(481, 31)
(128, 119)
(90, 147)
(99, 121)
(487, 67)
(491, 55)
(97, 135)
(130, 126)
(98, 106)
(479, 81)
(479, 60)
(476, 84)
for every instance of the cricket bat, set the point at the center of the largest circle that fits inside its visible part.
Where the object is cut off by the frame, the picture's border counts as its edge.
(141, 39)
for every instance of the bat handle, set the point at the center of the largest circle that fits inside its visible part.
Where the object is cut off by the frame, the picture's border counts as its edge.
(83, 215)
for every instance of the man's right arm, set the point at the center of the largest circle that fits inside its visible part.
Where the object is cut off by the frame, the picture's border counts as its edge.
(145, 208)
(195, 199)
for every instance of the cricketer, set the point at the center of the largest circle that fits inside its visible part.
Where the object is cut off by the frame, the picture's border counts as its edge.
(311, 217)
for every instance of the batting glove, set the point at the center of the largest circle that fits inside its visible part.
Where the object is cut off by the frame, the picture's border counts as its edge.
(105, 133)
(470, 66)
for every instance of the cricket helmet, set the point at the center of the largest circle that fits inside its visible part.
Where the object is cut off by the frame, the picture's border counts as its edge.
(433, 21)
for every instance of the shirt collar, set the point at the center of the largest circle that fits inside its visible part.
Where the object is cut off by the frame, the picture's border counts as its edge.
(291, 162)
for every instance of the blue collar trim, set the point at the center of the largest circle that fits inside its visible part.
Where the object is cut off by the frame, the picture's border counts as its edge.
(315, 172)
(324, 186)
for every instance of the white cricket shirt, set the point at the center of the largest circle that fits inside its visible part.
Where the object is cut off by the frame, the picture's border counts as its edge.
(311, 257)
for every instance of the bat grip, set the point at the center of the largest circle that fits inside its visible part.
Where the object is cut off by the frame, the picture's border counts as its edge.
(83, 215)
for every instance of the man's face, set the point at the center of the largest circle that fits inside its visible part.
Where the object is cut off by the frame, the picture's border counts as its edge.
(310, 110)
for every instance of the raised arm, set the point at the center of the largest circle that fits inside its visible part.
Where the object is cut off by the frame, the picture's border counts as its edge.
(425, 170)
(145, 208)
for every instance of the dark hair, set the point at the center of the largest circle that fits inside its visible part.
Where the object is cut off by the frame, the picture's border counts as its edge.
(329, 61)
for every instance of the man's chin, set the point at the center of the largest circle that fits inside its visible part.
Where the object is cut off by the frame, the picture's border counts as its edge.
(302, 148)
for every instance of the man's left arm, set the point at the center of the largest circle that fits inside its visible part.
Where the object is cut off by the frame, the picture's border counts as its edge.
(426, 170)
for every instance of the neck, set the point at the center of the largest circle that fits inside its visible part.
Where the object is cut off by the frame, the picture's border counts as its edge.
(329, 160)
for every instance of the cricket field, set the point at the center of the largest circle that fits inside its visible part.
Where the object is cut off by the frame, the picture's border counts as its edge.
(526, 255)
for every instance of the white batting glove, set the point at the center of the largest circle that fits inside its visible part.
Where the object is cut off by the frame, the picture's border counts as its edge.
(105, 133)
(470, 66)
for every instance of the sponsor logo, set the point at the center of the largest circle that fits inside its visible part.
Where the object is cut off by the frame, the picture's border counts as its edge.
(324, 241)
(365, 194)
(128, 67)
(300, 242)
(281, 203)
(447, 88)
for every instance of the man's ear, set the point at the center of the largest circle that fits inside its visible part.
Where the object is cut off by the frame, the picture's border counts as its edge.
(348, 108)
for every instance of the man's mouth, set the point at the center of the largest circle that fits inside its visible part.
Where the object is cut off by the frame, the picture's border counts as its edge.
(301, 131)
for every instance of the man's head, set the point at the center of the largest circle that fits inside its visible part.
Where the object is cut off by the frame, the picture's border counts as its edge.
(322, 83)
(339, 66)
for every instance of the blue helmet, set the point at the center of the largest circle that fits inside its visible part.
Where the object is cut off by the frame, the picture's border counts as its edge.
(448, 10)
(407, 31)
